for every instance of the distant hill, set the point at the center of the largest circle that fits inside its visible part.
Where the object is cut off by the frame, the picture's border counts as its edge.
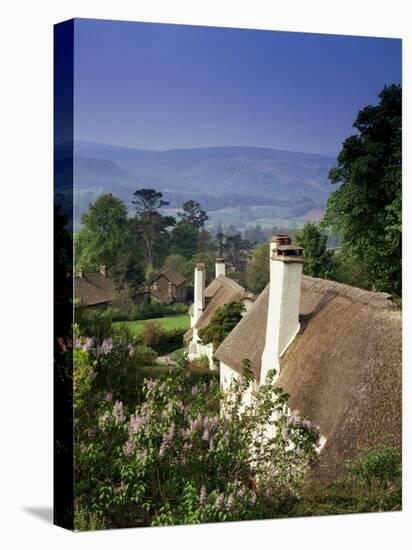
(218, 177)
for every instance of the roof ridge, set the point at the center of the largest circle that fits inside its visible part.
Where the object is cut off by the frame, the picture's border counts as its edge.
(231, 282)
(375, 299)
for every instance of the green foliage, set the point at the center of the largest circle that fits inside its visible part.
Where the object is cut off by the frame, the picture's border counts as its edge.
(257, 271)
(103, 233)
(176, 460)
(223, 321)
(183, 239)
(176, 262)
(318, 261)
(94, 321)
(366, 210)
(149, 224)
(161, 340)
(193, 214)
(372, 483)
(349, 269)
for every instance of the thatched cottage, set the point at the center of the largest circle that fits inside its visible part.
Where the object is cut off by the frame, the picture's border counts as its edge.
(337, 350)
(93, 290)
(222, 290)
(169, 287)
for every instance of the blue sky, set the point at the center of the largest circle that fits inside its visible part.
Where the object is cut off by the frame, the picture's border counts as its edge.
(155, 86)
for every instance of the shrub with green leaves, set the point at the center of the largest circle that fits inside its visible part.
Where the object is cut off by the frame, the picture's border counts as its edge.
(372, 483)
(223, 321)
(190, 453)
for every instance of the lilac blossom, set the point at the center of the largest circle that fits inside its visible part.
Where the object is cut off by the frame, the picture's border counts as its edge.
(109, 397)
(285, 434)
(118, 412)
(136, 422)
(219, 502)
(131, 350)
(129, 447)
(194, 390)
(167, 440)
(229, 503)
(77, 343)
(151, 384)
(306, 424)
(88, 344)
(106, 346)
(203, 496)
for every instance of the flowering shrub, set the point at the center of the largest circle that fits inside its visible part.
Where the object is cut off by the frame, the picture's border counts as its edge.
(189, 453)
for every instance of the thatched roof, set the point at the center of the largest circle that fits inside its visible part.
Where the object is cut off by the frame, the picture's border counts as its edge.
(173, 276)
(221, 291)
(342, 371)
(93, 289)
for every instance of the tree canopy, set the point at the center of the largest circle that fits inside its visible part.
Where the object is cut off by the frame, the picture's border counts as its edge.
(223, 321)
(103, 233)
(318, 261)
(366, 209)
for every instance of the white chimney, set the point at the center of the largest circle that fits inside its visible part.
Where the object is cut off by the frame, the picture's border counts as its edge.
(199, 293)
(286, 265)
(220, 268)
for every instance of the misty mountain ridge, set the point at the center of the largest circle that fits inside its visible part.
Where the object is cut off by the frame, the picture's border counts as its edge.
(217, 177)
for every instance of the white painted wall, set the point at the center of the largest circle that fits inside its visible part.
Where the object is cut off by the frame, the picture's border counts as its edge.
(283, 309)
(220, 267)
(199, 294)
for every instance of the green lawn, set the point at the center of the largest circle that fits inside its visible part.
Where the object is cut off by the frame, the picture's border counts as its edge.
(168, 323)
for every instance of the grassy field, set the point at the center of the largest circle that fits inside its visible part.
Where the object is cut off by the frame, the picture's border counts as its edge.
(168, 323)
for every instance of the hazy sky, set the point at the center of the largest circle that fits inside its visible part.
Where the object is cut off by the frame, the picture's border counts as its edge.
(154, 86)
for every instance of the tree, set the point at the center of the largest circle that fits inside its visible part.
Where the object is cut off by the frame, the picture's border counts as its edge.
(237, 250)
(103, 233)
(257, 271)
(193, 214)
(223, 321)
(318, 261)
(183, 239)
(176, 262)
(366, 209)
(149, 222)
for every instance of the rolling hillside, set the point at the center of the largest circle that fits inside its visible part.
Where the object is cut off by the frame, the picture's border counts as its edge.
(219, 177)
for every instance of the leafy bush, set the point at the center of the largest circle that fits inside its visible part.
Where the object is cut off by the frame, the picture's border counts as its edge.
(224, 319)
(176, 459)
(372, 483)
(161, 340)
(94, 321)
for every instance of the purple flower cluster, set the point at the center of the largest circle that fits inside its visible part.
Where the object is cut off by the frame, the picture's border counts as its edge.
(109, 397)
(88, 344)
(229, 503)
(118, 411)
(151, 384)
(294, 421)
(167, 440)
(137, 422)
(203, 497)
(131, 350)
(129, 447)
(106, 346)
(219, 502)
